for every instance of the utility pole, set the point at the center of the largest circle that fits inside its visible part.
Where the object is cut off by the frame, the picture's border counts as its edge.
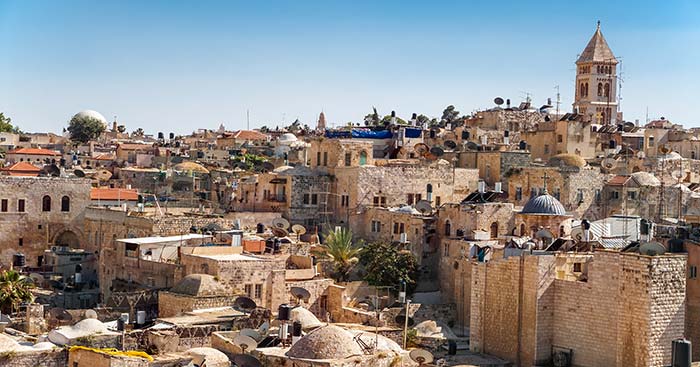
(247, 117)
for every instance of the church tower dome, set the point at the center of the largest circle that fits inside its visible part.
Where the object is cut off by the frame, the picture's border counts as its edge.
(596, 80)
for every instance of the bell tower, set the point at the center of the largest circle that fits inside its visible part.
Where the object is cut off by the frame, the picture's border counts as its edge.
(596, 81)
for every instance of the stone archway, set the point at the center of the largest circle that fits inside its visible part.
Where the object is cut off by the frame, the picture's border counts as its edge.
(68, 238)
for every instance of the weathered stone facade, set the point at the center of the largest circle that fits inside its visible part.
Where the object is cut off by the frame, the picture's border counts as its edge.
(624, 309)
(38, 212)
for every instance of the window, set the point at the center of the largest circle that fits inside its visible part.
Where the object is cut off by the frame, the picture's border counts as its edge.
(325, 158)
(560, 138)
(579, 196)
(409, 199)
(437, 201)
(306, 199)
(448, 228)
(597, 195)
(396, 228)
(376, 226)
(522, 229)
(314, 199)
(577, 267)
(375, 201)
(3, 206)
(258, 291)
(651, 141)
(494, 230)
(607, 90)
(632, 195)
(533, 192)
(46, 203)
(318, 158)
(383, 201)
(614, 195)
(21, 242)
(692, 272)
(363, 158)
(546, 149)
(249, 290)
(518, 193)
(557, 193)
(446, 251)
(345, 200)
(418, 197)
(20, 205)
(600, 89)
(348, 159)
(65, 204)
(131, 250)
(402, 228)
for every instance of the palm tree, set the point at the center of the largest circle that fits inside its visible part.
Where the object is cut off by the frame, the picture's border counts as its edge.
(15, 288)
(342, 253)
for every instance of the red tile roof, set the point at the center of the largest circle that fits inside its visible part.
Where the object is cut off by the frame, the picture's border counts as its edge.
(105, 157)
(618, 180)
(22, 169)
(106, 193)
(34, 151)
(249, 135)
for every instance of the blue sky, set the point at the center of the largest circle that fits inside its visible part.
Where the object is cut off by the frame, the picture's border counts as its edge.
(180, 65)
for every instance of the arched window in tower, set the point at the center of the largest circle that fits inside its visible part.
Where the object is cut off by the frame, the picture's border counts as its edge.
(586, 89)
(46, 203)
(448, 228)
(65, 204)
(494, 230)
(522, 229)
(600, 89)
(607, 89)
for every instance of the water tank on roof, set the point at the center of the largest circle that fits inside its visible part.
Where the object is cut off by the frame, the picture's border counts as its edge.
(681, 353)
(283, 312)
(19, 260)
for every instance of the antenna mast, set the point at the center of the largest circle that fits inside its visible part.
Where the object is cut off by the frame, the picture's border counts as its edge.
(558, 99)
(247, 118)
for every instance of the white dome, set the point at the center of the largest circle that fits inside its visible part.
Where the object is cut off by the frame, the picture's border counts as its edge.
(93, 114)
(287, 138)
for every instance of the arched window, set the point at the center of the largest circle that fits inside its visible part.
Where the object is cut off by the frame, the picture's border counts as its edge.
(586, 89)
(46, 203)
(583, 90)
(448, 228)
(429, 188)
(600, 89)
(561, 231)
(363, 158)
(494, 230)
(65, 204)
(607, 89)
(522, 229)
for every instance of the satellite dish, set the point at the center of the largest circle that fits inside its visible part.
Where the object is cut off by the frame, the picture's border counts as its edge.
(264, 329)
(437, 151)
(50, 170)
(498, 100)
(450, 144)
(244, 304)
(267, 167)
(36, 278)
(91, 314)
(280, 232)
(79, 173)
(608, 163)
(244, 342)
(401, 320)
(254, 334)
(677, 174)
(421, 148)
(421, 356)
(280, 223)
(577, 234)
(641, 154)
(424, 206)
(472, 146)
(652, 249)
(60, 314)
(664, 149)
(298, 229)
(300, 293)
(245, 360)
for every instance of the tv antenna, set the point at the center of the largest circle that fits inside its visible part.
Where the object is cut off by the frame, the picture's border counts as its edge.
(558, 99)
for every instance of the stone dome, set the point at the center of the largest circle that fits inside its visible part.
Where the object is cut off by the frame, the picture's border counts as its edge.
(287, 138)
(209, 356)
(328, 342)
(189, 166)
(307, 319)
(199, 285)
(646, 179)
(567, 160)
(544, 204)
(91, 114)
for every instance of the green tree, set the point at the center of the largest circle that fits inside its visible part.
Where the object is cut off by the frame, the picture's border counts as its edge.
(140, 133)
(82, 129)
(14, 289)
(339, 248)
(386, 265)
(6, 125)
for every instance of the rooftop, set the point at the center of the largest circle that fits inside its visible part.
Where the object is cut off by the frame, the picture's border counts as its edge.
(34, 151)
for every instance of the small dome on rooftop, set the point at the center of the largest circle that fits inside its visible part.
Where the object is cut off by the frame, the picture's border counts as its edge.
(567, 160)
(287, 138)
(646, 179)
(189, 166)
(91, 114)
(328, 342)
(544, 204)
(199, 285)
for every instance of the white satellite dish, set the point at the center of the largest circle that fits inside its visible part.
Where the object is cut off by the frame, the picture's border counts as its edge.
(91, 314)
(608, 163)
(254, 334)
(652, 249)
(421, 356)
(264, 329)
(280, 223)
(246, 343)
(424, 206)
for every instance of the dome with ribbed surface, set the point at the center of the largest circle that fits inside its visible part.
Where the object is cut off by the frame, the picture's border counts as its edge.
(199, 285)
(328, 342)
(544, 204)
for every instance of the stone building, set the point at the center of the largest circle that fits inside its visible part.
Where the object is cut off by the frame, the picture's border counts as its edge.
(636, 194)
(194, 292)
(494, 164)
(596, 81)
(36, 156)
(39, 212)
(599, 309)
(569, 179)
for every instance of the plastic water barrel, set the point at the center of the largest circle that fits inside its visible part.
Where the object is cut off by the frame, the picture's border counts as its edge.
(681, 353)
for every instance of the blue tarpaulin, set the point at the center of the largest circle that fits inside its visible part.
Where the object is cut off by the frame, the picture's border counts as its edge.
(368, 134)
(413, 133)
(338, 134)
